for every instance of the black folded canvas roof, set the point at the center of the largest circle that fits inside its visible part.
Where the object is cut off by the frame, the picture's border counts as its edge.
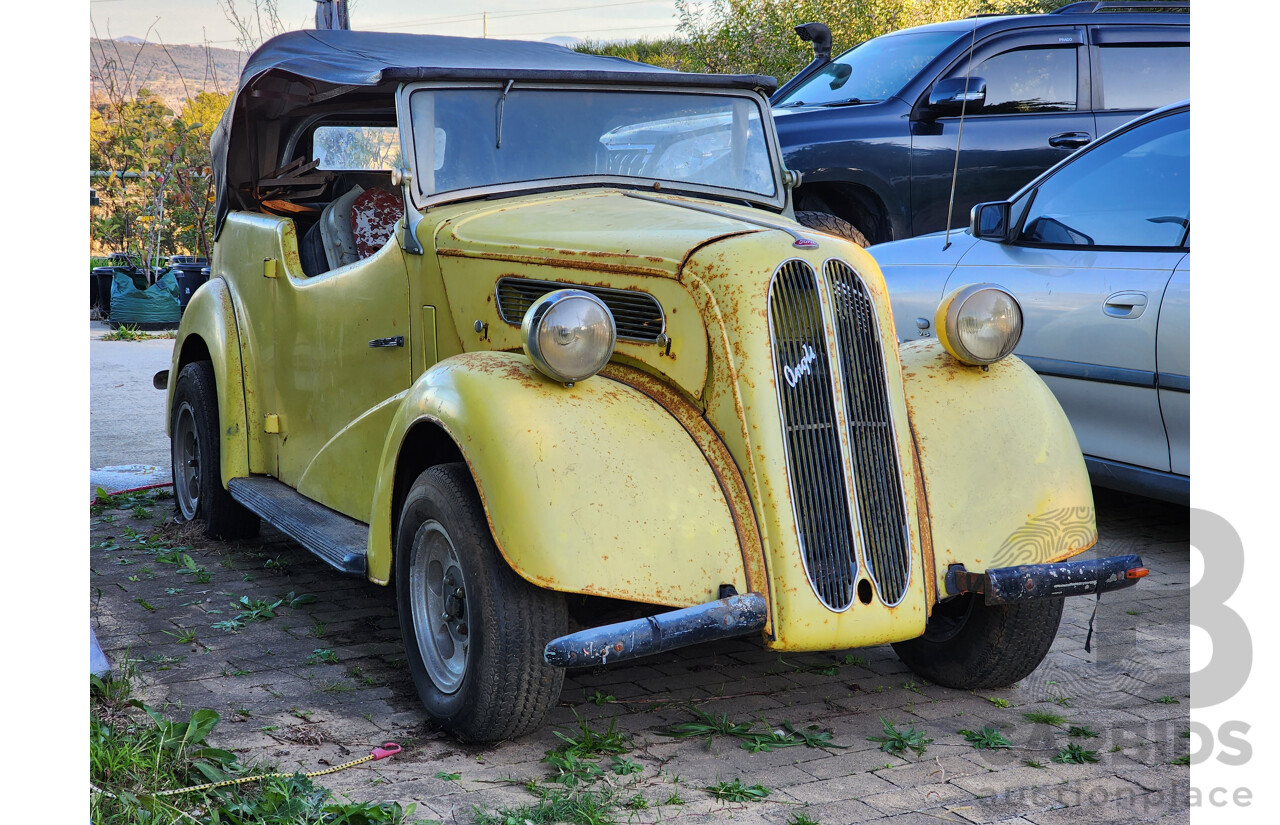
(306, 65)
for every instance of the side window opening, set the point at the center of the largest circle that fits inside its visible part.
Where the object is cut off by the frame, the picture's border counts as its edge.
(1037, 79)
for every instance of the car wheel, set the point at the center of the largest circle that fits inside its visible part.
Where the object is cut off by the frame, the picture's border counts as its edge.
(826, 222)
(474, 631)
(969, 644)
(196, 458)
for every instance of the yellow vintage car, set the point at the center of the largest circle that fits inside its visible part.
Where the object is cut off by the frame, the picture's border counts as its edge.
(494, 322)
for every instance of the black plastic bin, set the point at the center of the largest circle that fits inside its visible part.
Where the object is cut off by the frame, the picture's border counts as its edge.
(190, 276)
(100, 288)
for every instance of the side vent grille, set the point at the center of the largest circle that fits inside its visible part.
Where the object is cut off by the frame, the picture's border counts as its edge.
(877, 477)
(819, 494)
(638, 314)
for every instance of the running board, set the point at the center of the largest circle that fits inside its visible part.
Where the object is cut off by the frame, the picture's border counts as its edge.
(338, 540)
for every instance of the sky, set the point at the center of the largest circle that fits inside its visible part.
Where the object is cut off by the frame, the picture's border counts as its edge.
(192, 21)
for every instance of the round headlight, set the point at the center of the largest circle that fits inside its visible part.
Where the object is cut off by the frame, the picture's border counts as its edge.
(568, 334)
(979, 324)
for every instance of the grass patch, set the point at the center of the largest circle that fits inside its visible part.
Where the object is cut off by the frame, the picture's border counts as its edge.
(788, 736)
(1045, 718)
(1168, 700)
(135, 752)
(127, 332)
(1082, 732)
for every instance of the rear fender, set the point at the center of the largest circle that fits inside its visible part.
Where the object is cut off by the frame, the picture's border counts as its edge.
(1004, 479)
(594, 488)
(208, 329)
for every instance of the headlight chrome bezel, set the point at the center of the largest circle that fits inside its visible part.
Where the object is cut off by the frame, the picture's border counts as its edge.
(531, 326)
(947, 323)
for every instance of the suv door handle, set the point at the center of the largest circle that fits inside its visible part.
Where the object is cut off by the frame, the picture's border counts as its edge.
(1125, 304)
(396, 341)
(1070, 140)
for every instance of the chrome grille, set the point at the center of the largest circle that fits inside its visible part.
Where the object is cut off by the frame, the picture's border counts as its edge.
(638, 315)
(819, 496)
(626, 159)
(877, 476)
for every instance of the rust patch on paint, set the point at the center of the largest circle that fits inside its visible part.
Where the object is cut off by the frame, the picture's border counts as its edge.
(728, 475)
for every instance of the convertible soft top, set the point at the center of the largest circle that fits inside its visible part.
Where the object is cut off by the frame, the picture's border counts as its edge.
(303, 68)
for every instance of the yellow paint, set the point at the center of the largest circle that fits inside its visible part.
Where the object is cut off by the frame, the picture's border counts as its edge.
(269, 268)
(590, 489)
(210, 324)
(1004, 475)
(271, 424)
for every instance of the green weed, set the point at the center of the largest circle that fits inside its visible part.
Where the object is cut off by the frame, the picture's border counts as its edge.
(735, 791)
(986, 739)
(899, 742)
(1082, 732)
(1075, 754)
(1045, 718)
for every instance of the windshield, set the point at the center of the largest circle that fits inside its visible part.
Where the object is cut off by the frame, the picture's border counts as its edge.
(464, 138)
(872, 71)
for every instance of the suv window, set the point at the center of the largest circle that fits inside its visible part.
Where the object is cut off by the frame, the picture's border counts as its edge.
(872, 71)
(1133, 190)
(1144, 76)
(1030, 80)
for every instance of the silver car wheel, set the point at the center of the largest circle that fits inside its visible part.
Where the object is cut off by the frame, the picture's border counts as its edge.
(186, 462)
(439, 606)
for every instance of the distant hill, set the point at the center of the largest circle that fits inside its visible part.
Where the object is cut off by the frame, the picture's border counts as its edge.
(136, 65)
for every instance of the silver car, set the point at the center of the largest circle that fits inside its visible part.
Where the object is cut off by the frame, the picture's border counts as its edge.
(1097, 251)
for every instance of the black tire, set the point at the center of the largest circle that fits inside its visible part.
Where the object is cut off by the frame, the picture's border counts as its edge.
(195, 455)
(826, 222)
(971, 645)
(476, 658)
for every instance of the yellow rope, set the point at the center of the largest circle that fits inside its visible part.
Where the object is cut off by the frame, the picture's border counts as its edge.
(241, 780)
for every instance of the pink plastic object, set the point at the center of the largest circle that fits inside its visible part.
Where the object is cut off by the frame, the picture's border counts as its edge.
(387, 749)
(373, 219)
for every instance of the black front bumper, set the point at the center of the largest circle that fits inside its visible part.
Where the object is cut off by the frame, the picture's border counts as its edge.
(1025, 582)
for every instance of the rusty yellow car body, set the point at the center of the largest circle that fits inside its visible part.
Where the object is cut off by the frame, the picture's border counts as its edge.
(531, 442)
(385, 409)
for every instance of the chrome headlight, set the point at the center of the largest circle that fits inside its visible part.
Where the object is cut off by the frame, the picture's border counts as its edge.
(979, 324)
(568, 334)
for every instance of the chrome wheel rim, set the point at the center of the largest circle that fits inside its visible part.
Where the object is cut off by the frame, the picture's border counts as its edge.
(186, 462)
(439, 606)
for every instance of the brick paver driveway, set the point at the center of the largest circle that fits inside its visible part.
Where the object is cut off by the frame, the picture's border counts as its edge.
(322, 682)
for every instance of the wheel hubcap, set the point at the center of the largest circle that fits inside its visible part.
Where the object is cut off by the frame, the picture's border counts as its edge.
(186, 462)
(439, 606)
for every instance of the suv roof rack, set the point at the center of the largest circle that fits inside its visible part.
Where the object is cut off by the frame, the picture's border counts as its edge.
(1089, 8)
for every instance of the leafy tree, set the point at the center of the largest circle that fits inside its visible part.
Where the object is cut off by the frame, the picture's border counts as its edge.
(758, 36)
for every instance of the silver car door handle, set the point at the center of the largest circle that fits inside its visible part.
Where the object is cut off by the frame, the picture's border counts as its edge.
(1125, 304)
(396, 341)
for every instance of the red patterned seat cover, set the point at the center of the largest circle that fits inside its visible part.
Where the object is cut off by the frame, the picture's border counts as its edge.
(373, 219)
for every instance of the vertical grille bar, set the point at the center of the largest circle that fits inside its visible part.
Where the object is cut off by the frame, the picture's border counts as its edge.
(819, 494)
(877, 475)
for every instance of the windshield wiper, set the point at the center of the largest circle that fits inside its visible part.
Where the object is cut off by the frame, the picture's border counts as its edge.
(790, 104)
(852, 101)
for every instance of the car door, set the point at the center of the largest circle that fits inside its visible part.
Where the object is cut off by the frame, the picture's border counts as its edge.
(1036, 113)
(1097, 245)
(1173, 366)
(1135, 69)
(343, 347)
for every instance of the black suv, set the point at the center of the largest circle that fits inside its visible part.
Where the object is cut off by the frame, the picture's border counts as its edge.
(874, 132)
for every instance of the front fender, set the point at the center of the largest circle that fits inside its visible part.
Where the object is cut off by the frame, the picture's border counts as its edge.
(594, 488)
(210, 319)
(1004, 479)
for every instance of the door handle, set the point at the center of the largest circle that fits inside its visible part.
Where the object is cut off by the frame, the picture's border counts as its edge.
(396, 341)
(1070, 140)
(1125, 304)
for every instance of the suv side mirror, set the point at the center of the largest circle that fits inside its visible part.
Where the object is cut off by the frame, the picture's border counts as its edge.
(990, 221)
(949, 95)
